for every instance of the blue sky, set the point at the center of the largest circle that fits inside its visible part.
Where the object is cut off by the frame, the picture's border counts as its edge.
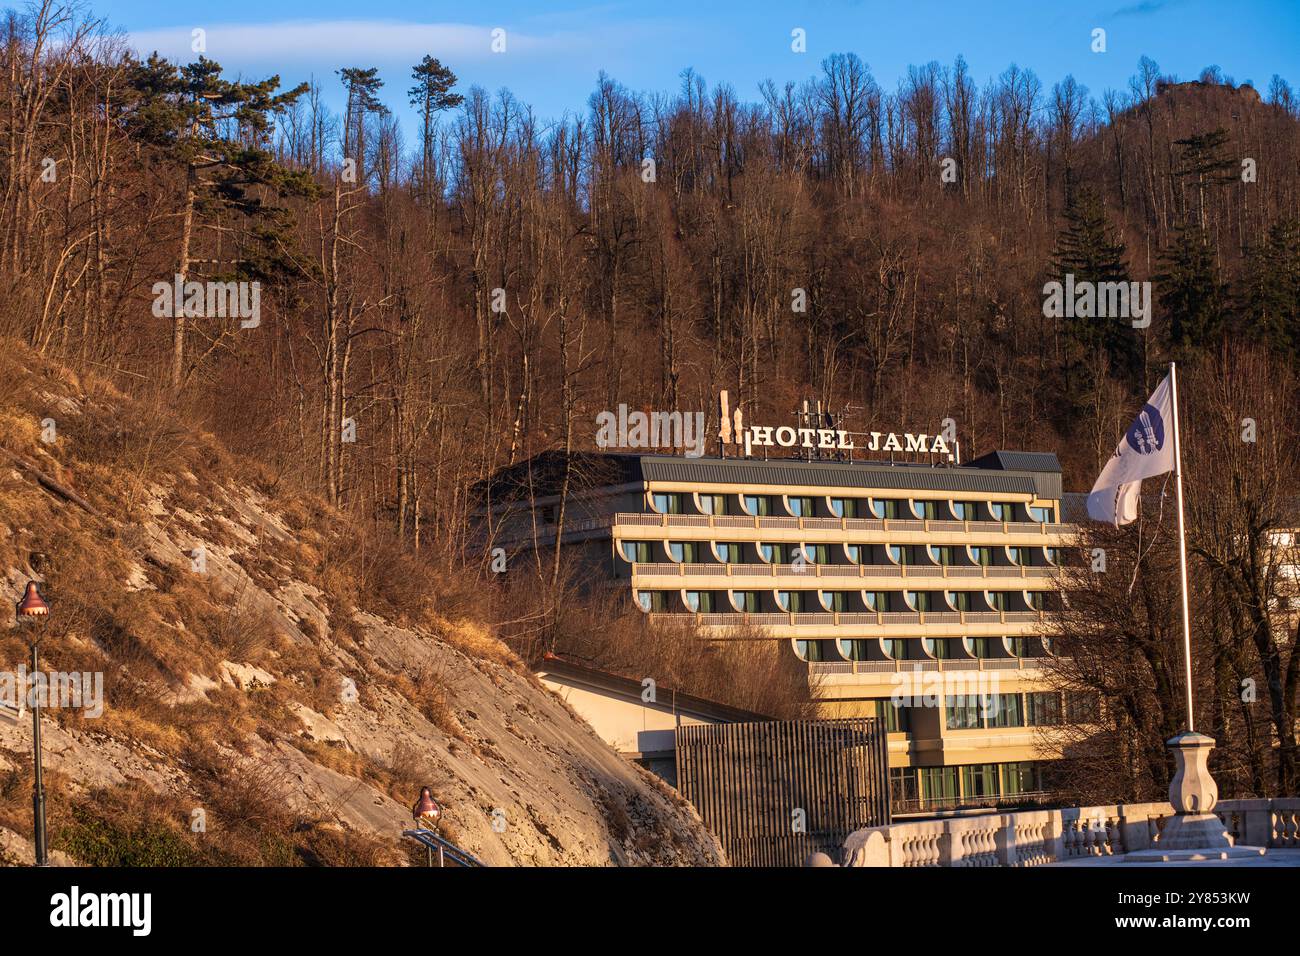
(554, 51)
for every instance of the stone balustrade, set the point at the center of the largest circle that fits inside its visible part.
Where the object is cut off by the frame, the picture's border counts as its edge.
(1038, 837)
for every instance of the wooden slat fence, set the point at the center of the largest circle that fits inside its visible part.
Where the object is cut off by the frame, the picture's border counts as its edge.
(748, 780)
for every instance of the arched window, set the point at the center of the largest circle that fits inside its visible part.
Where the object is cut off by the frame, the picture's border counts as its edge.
(638, 552)
(801, 506)
(925, 508)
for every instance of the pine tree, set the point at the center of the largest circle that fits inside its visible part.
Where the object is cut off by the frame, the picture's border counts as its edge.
(1192, 293)
(431, 95)
(1088, 249)
(216, 131)
(363, 86)
(1271, 293)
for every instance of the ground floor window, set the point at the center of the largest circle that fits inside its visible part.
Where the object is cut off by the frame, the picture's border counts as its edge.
(939, 784)
(893, 715)
(979, 780)
(904, 786)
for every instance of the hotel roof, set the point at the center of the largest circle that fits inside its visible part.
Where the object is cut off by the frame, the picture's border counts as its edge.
(1021, 472)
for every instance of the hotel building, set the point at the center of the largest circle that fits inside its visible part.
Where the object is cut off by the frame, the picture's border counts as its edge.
(918, 593)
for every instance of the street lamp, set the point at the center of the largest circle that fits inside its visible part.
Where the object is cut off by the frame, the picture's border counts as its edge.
(33, 610)
(427, 813)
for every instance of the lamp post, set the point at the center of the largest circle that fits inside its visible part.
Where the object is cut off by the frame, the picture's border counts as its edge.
(426, 813)
(32, 610)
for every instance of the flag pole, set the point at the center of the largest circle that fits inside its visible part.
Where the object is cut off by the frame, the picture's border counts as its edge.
(1182, 546)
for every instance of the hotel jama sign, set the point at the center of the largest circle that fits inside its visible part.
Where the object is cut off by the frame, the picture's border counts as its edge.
(831, 439)
(734, 431)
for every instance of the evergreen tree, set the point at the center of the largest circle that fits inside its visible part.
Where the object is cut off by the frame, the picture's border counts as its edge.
(1089, 250)
(1203, 163)
(431, 95)
(1192, 293)
(363, 101)
(1271, 299)
(216, 131)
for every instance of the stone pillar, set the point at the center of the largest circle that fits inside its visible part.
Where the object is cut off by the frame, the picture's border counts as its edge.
(1006, 840)
(1194, 794)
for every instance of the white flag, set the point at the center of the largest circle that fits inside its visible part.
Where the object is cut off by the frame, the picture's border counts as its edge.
(1146, 450)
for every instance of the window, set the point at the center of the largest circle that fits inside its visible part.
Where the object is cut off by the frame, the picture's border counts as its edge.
(800, 507)
(918, 600)
(1018, 646)
(1018, 555)
(811, 651)
(844, 507)
(637, 551)
(962, 712)
(959, 600)
(700, 601)
(980, 780)
(941, 554)
(1000, 510)
(998, 600)
(980, 646)
(792, 601)
(981, 556)
(901, 554)
(1021, 777)
(684, 552)
(855, 650)
(1005, 711)
(1042, 514)
(1042, 709)
(893, 715)
(817, 553)
(653, 600)
(1081, 707)
(728, 551)
(1053, 555)
(836, 601)
(667, 503)
(939, 784)
(760, 505)
(964, 510)
(746, 601)
(1035, 599)
(939, 647)
(895, 648)
(876, 600)
(776, 553)
(904, 785)
(854, 551)
(884, 507)
(713, 504)
(925, 509)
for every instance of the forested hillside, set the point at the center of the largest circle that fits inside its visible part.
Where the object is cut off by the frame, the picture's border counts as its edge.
(478, 295)
(428, 311)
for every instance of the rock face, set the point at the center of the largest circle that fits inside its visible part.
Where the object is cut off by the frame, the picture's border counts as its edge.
(364, 710)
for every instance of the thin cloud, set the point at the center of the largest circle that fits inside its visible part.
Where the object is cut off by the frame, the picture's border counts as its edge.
(1143, 7)
(296, 41)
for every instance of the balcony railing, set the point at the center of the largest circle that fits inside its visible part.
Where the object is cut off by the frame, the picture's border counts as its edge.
(524, 532)
(811, 570)
(1039, 837)
(831, 619)
(926, 664)
(651, 520)
(936, 804)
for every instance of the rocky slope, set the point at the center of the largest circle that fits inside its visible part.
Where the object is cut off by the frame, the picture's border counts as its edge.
(277, 686)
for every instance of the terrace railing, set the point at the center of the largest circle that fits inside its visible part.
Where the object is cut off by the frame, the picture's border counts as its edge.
(1037, 837)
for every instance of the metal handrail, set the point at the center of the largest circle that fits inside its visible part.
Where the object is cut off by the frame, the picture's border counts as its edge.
(443, 847)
